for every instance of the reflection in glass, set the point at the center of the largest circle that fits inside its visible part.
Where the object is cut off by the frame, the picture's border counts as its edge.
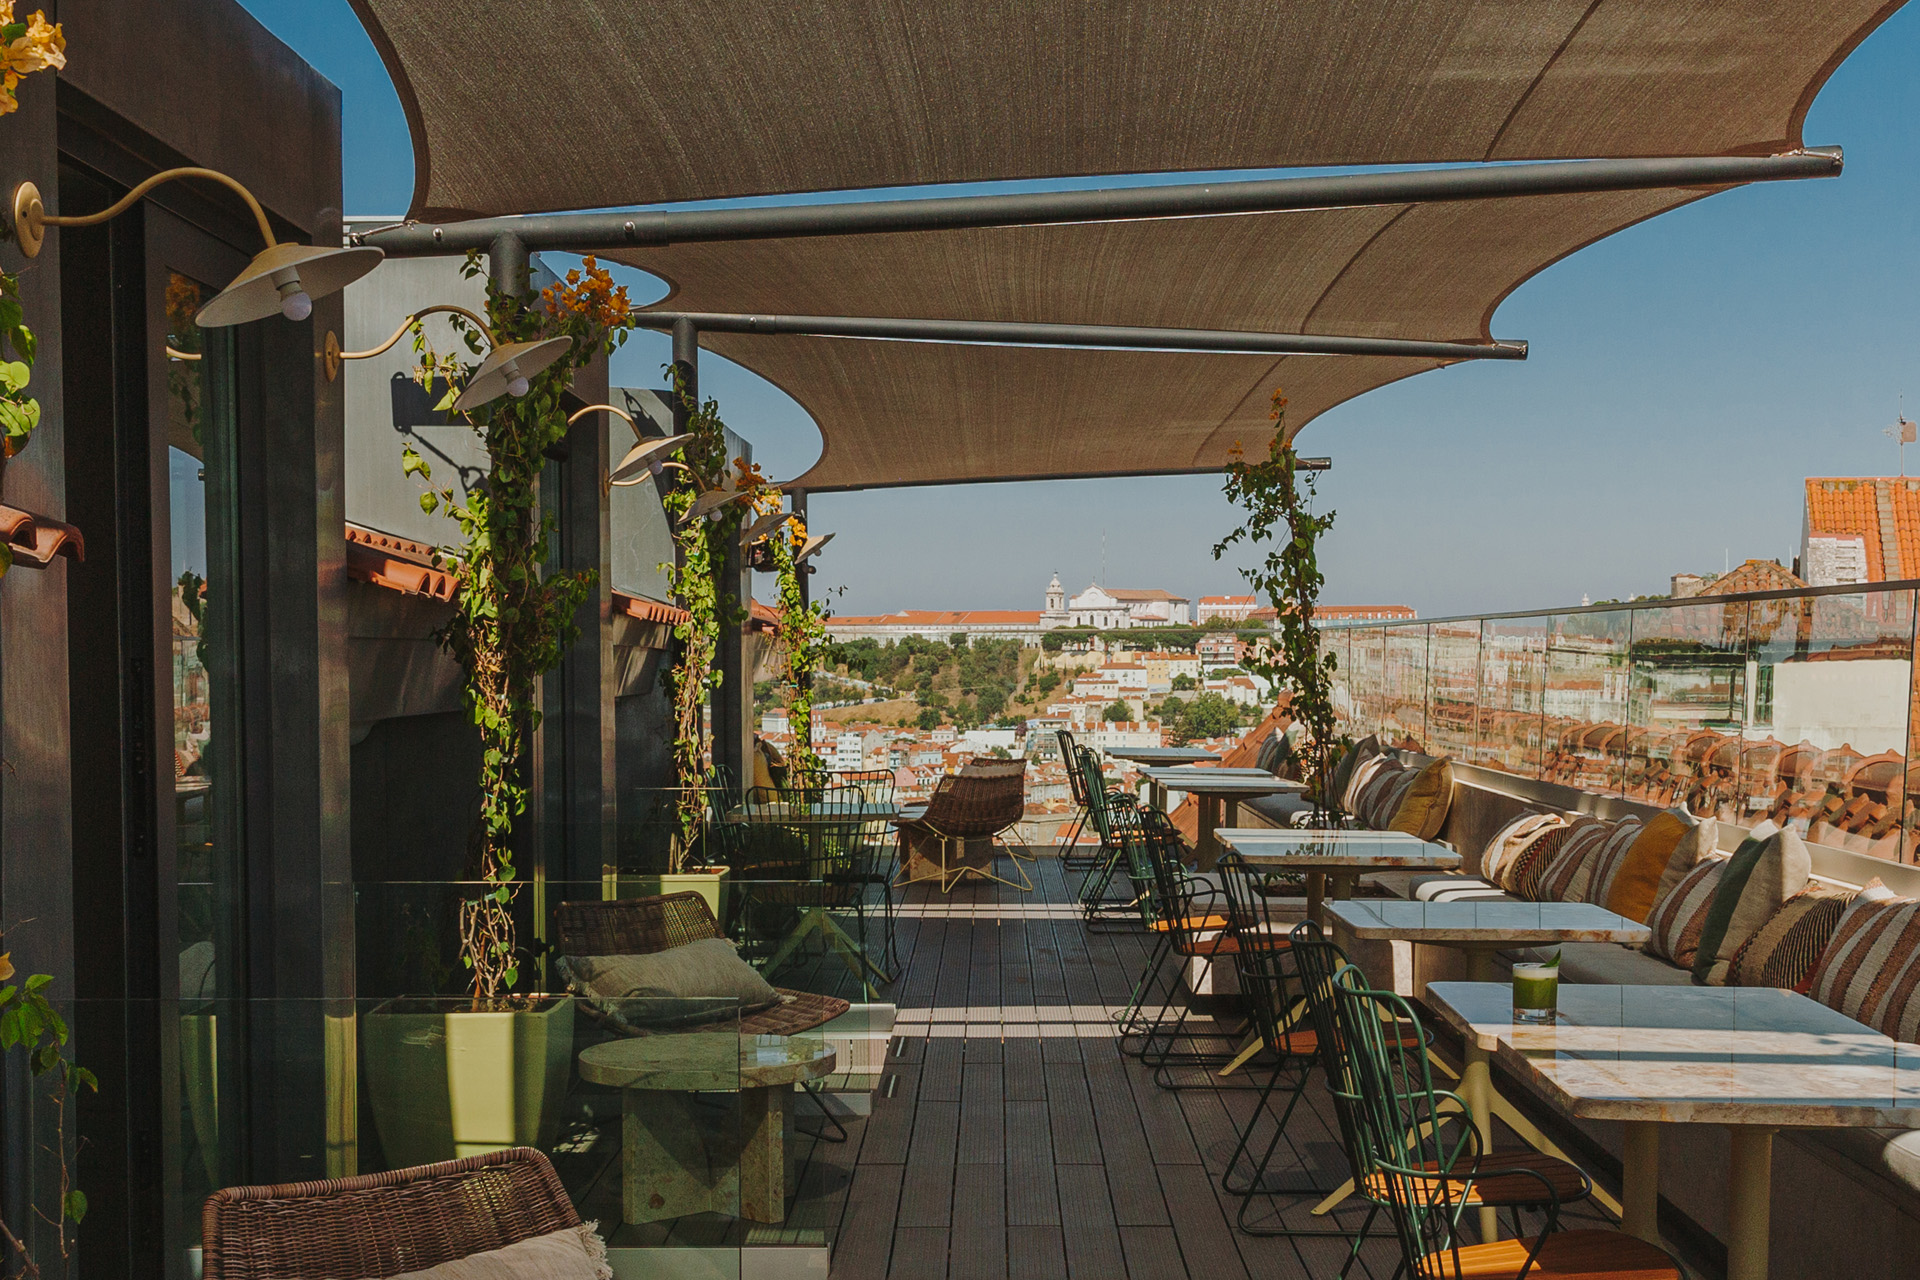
(205, 783)
(1453, 700)
(1688, 693)
(1403, 686)
(1587, 741)
(1512, 675)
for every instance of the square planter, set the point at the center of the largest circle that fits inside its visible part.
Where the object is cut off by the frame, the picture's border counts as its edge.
(447, 1079)
(709, 883)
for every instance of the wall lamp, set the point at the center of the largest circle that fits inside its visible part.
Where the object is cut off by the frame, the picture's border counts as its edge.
(647, 458)
(813, 547)
(505, 371)
(283, 278)
(765, 525)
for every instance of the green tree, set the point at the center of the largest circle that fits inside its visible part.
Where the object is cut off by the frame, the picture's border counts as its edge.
(928, 718)
(1117, 711)
(991, 701)
(1184, 683)
(1000, 753)
(1208, 716)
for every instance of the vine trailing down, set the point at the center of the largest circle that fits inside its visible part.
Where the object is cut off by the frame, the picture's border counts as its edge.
(30, 1023)
(512, 621)
(803, 633)
(1278, 501)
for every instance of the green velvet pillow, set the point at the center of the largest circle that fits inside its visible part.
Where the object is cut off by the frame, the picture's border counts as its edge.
(1763, 873)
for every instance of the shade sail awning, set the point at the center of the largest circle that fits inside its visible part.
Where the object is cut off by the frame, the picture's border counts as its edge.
(714, 99)
(705, 99)
(922, 413)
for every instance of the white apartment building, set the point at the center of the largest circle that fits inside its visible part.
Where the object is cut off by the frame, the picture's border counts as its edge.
(1232, 608)
(1120, 735)
(1113, 608)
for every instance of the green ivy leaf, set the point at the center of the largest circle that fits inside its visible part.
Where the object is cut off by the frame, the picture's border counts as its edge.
(429, 503)
(76, 1206)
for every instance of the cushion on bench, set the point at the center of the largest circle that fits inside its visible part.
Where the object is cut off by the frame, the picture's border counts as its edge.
(1610, 964)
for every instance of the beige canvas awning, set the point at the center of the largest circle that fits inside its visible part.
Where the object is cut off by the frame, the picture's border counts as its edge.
(704, 100)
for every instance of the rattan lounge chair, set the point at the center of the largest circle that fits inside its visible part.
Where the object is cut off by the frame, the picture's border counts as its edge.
(943, 842)
(382, 1224)
(641, 926)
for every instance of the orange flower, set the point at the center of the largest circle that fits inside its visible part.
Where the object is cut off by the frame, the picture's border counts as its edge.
(6, 966)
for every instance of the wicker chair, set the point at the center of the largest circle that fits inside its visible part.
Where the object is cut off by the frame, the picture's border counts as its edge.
(985, 799)
(641, 926)
(382, 1224)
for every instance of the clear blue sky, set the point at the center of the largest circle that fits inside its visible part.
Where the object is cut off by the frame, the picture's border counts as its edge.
(1685, 376)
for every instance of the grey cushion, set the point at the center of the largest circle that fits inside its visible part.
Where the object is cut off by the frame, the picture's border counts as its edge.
(1893, 1154)
(1610, 964)
(571, 1253)
(699, 979)
(1284, 810)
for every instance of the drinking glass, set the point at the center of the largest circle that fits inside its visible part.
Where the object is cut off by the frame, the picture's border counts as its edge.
(1536, 992)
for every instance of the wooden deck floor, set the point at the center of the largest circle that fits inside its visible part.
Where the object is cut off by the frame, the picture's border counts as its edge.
(1010, 1138)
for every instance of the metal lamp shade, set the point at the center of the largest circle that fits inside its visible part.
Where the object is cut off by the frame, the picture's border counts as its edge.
(765, 525)
(503, 364)
(712, 500)
(813, 546)
(255, 294)
(638, 464)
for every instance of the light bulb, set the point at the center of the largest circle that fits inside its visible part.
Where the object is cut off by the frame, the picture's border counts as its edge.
(658, 468)
(517, 386)
(296, 305)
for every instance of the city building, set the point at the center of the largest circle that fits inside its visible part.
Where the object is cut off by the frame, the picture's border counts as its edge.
(1117, 608)
(1340, 615)
(1231, 608)
(1022, 625)
(1220, 649)
(1860, 529)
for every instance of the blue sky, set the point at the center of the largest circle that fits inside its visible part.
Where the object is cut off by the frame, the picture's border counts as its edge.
(1685, 376)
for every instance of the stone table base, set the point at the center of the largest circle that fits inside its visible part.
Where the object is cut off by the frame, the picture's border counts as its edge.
(728, 1153)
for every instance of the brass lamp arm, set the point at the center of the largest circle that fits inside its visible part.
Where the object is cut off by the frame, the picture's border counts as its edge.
(166, 175)
(618, 413)
(412, 320)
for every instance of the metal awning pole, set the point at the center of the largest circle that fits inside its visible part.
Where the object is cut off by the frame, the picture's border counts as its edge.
(1081, 335)
(600, 232)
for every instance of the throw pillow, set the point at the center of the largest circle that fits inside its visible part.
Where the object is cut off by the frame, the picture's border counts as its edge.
(1760, 877)
(1669, 846)
(1367, 764)
(1678, 917)
(1588, 856)
(1343, 772)
(1382, 780)
(1868, 971)
(696, 973)
(1604, 865)
(1544, 844)
(1509, 840)
(1583, 833)
(571, 1253)
(1782, 952)
(1421, 808)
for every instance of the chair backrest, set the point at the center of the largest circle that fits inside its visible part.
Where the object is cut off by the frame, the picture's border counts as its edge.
(1261, 962)
(1070, 756)
(382, 1224)
(632, 926)
(1317, 960)
(1419, 1160)
(985, 798)
(772, 850)
(875, 785)
(1109, 814)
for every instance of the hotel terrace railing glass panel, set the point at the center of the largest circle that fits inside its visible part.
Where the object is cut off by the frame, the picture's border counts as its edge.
(1799, 707)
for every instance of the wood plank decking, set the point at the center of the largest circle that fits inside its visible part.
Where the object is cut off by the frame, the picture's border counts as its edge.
(1010, 1138)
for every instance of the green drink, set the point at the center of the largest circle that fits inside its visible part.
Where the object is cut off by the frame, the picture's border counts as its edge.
(1536, 991)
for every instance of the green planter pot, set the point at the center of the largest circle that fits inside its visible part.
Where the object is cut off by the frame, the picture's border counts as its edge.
(448, 1081)
(710, 884)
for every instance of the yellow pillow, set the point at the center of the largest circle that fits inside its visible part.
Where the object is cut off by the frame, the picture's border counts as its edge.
(1423, 809)
(1636, 881)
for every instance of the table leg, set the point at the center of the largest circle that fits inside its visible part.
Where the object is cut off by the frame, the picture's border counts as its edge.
(1750, 1207)
(1317, 897)
(1207, 848)
(766, 1153)
(676, 1157)
(1640, 1180)
(1476, 1087)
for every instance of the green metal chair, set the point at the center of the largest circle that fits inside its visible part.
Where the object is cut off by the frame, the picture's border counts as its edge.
(1068, 845)
(1418, 1153)
(1114, 815)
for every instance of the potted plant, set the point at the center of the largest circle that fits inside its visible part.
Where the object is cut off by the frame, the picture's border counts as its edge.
(455, 1077)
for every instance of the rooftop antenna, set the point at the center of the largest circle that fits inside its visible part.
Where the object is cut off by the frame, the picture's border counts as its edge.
(1903, 431)
(1103, 557)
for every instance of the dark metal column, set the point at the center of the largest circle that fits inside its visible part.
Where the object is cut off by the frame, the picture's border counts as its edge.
(507, 264)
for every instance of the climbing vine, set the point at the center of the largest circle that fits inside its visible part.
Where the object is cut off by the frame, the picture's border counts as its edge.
(1278, 500)
(19, 411)
(512, 618)
(803, 633)
(706, 509)
(30, 1023)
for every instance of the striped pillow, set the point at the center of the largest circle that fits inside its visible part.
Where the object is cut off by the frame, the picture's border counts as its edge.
(1524, 867)
(1588, 863)
(1546, 878)
(1871, 968)
(1511, 839)
(1784, 950)
(1679, 916)
(1607, 863)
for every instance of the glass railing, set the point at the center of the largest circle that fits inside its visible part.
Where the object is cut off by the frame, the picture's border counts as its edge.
(1793, 706)
(674, 1124)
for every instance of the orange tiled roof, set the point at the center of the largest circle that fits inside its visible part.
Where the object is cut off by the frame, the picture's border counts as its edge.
(1849, 507)
(396, 563)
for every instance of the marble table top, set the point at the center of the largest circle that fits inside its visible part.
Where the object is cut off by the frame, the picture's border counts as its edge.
(1161, 755)
(1252, 782)
(1719, 1055)
(706, 1061)
(1279, 847)
(1491, 923)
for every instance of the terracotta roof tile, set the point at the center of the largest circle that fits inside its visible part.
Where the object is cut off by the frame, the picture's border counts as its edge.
(36, 540)
(396, 563)
(1847, 507)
